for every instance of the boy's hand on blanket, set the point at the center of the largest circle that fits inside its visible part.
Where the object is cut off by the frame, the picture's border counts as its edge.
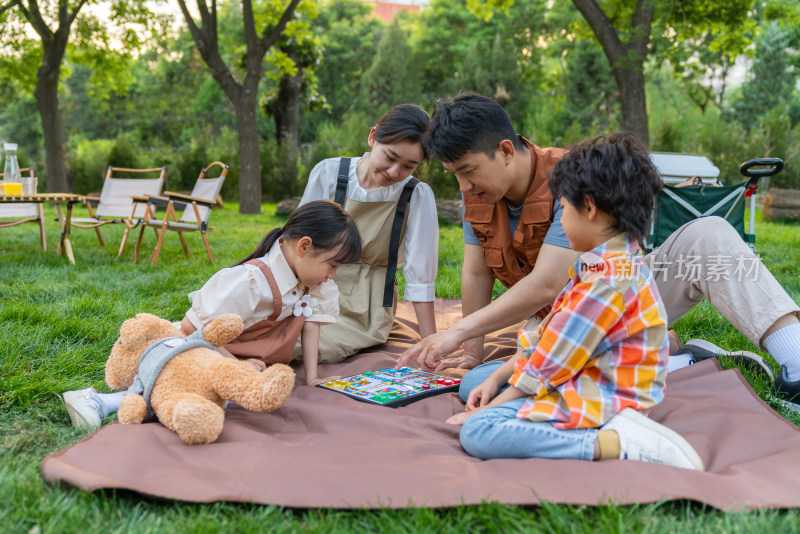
(482, 395)
(318, 381)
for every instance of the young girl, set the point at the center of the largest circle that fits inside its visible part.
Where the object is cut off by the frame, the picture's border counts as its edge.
(283, 291)
(396, 216)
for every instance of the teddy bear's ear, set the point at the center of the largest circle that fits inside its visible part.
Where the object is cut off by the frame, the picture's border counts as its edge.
(223, 329)
(138, 332)
(135, 335)
(121, 366)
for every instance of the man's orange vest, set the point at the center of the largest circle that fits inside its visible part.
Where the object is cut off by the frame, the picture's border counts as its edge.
(511, 259)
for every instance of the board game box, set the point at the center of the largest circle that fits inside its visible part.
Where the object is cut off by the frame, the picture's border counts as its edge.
(390, 387)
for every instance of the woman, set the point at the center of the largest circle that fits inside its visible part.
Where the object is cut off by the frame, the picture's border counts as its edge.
(396, 217)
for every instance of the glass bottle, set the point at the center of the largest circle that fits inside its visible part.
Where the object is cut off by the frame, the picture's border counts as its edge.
(11, 174)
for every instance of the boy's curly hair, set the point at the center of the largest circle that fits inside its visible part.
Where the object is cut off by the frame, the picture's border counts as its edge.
(616, 172)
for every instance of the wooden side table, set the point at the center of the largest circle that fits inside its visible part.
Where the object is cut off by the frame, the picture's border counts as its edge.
(64, 217)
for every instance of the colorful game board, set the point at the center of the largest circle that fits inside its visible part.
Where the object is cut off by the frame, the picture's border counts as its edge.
(390, 387)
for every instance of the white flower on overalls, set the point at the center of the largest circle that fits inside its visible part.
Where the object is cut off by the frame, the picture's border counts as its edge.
(304, 306)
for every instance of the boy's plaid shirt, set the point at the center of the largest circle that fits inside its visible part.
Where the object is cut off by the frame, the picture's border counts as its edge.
(602, 348)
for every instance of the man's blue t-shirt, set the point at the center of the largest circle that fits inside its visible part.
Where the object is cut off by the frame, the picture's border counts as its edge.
(555, 234)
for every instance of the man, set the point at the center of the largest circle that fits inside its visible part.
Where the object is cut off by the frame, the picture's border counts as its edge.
(512, 232)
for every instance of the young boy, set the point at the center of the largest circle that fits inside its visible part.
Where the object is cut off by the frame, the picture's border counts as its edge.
(579, 383)
(513, 234)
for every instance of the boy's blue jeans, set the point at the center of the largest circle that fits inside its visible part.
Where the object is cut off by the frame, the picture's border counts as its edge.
(497, 432)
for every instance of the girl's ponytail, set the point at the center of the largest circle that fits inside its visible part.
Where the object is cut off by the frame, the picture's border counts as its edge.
(328, 226)
(263, 247)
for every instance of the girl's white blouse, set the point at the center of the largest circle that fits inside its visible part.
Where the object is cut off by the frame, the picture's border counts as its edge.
(243, 290)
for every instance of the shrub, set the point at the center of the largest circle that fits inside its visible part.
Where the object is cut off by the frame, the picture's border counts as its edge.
(346, 138)
(724, 143)
(225, 148)
(124, 153)
(775, 138)
(87, 162)
(349, 138)
(444, 184)
(667, 133)
(187, 166)
(279, 171)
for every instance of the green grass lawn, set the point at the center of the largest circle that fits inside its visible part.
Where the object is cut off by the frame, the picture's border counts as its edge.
(58, 322)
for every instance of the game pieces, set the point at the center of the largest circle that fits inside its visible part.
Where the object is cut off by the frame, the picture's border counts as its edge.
(390, 387)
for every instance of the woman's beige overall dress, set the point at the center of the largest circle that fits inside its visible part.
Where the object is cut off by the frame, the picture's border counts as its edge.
(367, 292)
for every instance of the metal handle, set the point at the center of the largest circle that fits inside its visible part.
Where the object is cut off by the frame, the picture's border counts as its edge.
(775, 164)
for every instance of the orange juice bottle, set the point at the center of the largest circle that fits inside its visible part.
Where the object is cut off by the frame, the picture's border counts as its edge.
(11, 176)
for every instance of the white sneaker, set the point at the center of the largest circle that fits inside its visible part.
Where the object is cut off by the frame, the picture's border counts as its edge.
(643, 440)
(678, 361)
(84, 407)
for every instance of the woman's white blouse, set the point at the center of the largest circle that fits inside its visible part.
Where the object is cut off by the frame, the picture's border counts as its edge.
(419, 250)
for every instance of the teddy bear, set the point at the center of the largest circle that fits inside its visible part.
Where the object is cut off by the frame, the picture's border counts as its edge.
(184, 381)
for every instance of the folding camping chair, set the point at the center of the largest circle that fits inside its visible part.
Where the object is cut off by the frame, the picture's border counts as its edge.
(115, 204)
(679, 202)
(14, 214)
(196, 211)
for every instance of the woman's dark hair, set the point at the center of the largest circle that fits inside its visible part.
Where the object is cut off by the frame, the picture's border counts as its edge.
(404, 122)
(616, 172)
(328, 226)
(468, 123)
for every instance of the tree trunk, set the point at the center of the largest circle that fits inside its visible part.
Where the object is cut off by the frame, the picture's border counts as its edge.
(287, 116)
(626, 59)
(633, 102)
(243, 96)
(249, 156)
(287, 110)
(47, 101)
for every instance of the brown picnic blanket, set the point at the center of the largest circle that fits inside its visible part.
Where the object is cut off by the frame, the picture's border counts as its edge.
(324, 449)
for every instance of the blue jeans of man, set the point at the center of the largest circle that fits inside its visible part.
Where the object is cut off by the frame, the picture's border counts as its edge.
(497, 432)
